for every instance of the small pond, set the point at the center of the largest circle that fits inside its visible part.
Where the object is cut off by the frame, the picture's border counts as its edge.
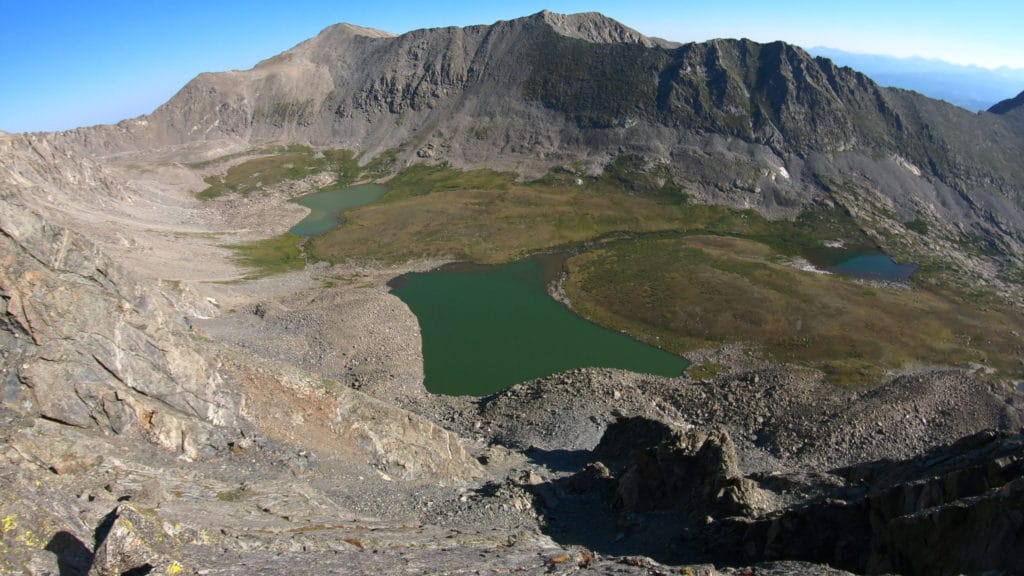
(876, 266)
(485, 328)
(326, 205)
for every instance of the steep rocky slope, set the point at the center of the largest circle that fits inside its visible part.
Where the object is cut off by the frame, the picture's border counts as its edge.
(86, 345)
(97, 365)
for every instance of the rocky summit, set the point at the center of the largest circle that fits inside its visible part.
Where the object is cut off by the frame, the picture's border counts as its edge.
(188, 388)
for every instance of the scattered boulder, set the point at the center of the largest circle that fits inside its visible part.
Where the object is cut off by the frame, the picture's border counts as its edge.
(130, 542)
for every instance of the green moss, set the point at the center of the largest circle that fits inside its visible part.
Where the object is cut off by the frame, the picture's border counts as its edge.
(917, 225)
(345, 166)
(276, 255)
(695, 291)
(631, 173)
(287, 163)
(421, 179)
(560, 176)
(381, 165)
(979, 245)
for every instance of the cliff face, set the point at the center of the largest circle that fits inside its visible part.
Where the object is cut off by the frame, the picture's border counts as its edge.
(96, 350)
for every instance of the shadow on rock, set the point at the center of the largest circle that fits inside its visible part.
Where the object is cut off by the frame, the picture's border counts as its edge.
(119, 546)
(679, 497)
(647, 490)
(73, 557)
(560, 460)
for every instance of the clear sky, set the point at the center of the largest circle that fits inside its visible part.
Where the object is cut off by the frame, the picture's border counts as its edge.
(80, 62)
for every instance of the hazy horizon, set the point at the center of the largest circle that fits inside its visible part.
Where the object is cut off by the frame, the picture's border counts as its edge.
(925, 58)
(70, 64)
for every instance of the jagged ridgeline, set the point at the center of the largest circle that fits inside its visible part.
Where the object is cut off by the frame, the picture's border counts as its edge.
(723, 117)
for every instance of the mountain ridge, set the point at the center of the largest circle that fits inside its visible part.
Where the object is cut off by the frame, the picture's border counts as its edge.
(543, 91)
(1008, 105)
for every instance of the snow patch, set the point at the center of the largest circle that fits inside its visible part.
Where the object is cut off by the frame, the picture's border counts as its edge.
(804, 265)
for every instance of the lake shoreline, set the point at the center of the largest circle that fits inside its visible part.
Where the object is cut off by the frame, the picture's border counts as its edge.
(487, 328)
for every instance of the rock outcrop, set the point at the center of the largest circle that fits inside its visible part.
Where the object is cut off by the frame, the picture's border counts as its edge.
(86, 345)
(950, 511)
(953, 510)
(89, 347)
(692, 473)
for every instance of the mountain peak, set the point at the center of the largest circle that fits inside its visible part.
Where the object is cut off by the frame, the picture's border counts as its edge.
(593, 27)
(328, 40)
(344, 28)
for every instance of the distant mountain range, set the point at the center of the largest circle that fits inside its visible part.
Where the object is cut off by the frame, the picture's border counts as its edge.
(971, 87)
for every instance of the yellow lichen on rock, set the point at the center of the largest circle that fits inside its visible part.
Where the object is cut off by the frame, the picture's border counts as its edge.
(8, 524)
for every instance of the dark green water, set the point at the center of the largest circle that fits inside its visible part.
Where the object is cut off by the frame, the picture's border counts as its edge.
(876, 266)
(328, 204)
(485, 328)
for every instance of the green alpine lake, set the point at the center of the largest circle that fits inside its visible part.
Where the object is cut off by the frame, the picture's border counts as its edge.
(326, 205)
(485, 328)
(876, 266)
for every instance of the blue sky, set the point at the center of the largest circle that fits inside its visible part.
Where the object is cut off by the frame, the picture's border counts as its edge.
(77, 62)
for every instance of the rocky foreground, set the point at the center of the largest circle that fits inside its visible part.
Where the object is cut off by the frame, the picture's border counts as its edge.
(135, 442)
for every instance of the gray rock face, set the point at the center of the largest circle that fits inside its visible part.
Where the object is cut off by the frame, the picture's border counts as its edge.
(595, 28)
(129, 540)
(951, 511)
(694, 473)
(86, 345)
(101, 351)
